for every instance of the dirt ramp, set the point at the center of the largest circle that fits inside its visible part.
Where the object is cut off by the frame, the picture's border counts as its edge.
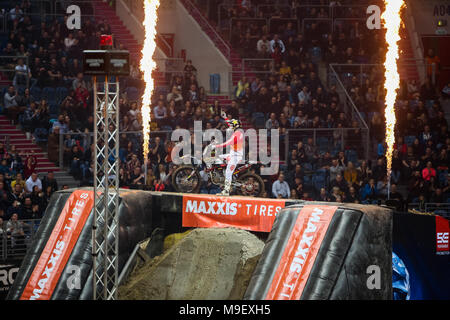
(207, 264)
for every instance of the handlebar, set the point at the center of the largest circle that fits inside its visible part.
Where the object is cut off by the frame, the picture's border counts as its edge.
(207, 148)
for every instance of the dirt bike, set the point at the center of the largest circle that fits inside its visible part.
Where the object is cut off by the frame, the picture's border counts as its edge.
(187, 179)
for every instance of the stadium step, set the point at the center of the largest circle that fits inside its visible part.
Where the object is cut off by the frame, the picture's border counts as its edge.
(407, 71)
(235, 58)
(120, 31)
(9, 133)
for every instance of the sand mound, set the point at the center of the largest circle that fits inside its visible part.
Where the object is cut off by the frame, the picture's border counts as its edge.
(207, 264)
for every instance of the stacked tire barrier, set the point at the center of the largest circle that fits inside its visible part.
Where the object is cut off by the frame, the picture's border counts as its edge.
(319, 251)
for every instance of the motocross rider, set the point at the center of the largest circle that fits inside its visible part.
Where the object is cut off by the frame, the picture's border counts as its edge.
(236, 153)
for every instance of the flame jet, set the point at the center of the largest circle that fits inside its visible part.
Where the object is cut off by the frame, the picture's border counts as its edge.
(392, 22)
(147, 65)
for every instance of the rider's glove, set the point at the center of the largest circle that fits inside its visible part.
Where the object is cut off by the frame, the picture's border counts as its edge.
(213, 146)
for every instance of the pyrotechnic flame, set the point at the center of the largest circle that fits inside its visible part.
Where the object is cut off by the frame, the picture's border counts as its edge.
(147, 66)
(392, 22)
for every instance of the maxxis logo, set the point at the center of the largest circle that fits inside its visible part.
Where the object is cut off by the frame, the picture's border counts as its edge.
(211, 207)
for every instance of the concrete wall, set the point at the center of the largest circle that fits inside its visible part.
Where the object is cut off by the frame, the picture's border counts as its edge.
(174, 18)
(427, 13)
(200, 49)
(137, 29)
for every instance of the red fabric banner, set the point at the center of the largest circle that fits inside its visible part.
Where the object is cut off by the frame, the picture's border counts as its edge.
(300, 252)
(442, 235)
(59, 246)
(254, 214)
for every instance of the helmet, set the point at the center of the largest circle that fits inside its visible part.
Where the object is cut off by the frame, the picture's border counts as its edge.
(234, 124)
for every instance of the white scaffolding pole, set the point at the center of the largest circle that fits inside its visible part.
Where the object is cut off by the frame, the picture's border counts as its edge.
(105, 235)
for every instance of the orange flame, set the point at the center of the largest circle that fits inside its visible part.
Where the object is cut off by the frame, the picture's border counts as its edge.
(147, 66)
(392, 22)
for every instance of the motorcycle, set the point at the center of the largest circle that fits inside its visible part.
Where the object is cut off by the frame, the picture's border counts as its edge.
(187, 179)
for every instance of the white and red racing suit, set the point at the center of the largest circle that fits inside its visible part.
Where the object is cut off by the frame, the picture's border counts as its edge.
(236, 153)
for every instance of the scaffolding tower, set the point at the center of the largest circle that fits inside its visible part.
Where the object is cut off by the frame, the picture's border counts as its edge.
(105, 235)
(105, 66)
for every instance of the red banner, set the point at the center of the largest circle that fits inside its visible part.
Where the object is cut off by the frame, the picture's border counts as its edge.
(300, 252)
(246, 213)
(59, 246)
(442, 235)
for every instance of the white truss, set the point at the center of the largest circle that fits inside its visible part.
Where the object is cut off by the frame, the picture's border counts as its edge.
(105, 235)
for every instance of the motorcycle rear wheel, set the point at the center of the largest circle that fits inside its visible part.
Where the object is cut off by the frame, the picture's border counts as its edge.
(182, 184)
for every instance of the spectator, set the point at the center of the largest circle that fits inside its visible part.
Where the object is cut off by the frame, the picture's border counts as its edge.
(176, 96)
(50, 181)
(61, 125)
(15, 228)
(370, 193)
(160, 112)
(382, 187)
(272, 122)
(137, 177)
(16, 13)
(351, 174)
(395, 195)
(76, 158)
(22, 74)
(2, 228)
(189, 69)
(340, 183)
(304, 96)
(335, 169)
(10, 102)
(19, 181)
(276, 42)
(428, 172)
(353, 196)
(263, 46)
(30, 165)
(280, 188)
(242, 85)
(32, 181)
(69, 42)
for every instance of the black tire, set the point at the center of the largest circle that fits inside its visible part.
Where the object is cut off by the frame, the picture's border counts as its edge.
(182, 172)
(257, 192)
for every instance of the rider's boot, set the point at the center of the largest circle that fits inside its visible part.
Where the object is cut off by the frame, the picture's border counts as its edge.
(226, 190)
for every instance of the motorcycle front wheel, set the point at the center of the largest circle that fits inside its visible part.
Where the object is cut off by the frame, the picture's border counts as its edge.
(251, 185)
(186, 180)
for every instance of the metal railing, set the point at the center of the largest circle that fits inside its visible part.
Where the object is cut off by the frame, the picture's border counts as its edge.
(363, 71)
(274, 6)
(136, 8)
(317, 20)
(222, 45)
(251, 68)
(6, 140)
(348, 102)
(170, 65)
(15, 240)
(258, 65)
(275, 22)
(331, 140)
(164, 45)
(8, 67)
(69, 139)
(442, 209)
(233, 21)
(290, 12)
